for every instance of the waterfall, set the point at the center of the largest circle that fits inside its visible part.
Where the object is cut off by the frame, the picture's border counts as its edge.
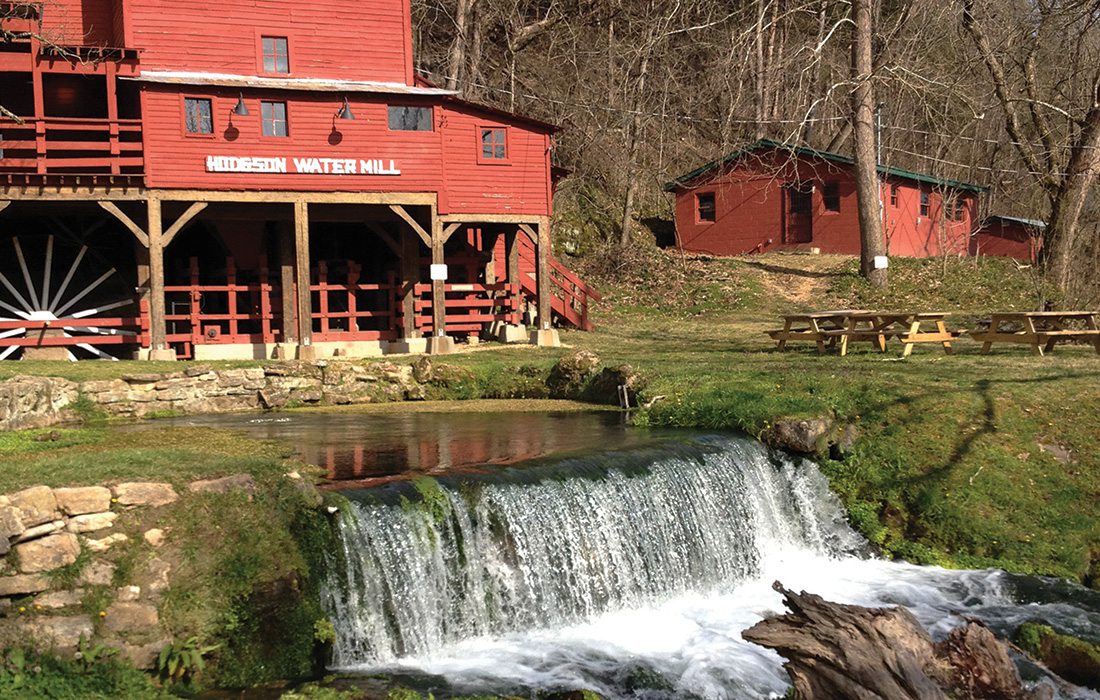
(430, 563)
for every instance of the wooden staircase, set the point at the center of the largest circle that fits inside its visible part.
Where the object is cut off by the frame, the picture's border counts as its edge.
(570, 295)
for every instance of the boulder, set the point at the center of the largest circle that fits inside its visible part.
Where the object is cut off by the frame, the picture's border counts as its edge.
(130, 617)
(604, 388)
(61, 633)
(11, 522)
(423, 371)
(33, 533)
(36, 505)
(83, 500)
(128, 594)
(143, 656)
(154, 537)
(97, 573)
(23, 584)
(104, 543)
(801, 436)
(237, 482)
(145, 493)
(34, 402)
(48, 553)
(55, 600)
(569, 376)
(92, 522)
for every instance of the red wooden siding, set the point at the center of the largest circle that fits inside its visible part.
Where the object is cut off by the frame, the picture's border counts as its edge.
(443, 160)
(80, 22)
(339, 39)
(752, 211)
(1008, 239)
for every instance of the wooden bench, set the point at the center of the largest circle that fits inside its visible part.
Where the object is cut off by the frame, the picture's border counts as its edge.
(818, 327)
(1041, 330)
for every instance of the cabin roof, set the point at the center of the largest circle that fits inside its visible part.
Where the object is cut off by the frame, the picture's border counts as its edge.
(1030, 223)
(689, 179)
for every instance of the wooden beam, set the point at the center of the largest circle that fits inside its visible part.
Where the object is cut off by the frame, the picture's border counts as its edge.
(382, 233)
(543, 270)
(424, 236)
(4, 205)
(286, 197)
(301, 250)
(192, 211)
(489, 218)
(439, 295)
(526, 228)
(449, 231)
(155, 242)
(139, 233)
(287, 263)
(410, 275)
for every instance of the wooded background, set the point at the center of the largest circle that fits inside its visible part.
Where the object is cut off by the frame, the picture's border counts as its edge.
(1004, 93)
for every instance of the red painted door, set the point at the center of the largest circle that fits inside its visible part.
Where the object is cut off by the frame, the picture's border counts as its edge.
(799, 213)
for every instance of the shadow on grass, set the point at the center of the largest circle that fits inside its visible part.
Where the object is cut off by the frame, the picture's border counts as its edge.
(794, 271)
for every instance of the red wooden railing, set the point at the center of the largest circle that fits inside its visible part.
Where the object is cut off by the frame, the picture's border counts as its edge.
(570, 296)
(350, 309)
(229, 313)
(470, 307)
(72, 146)
(72, 333)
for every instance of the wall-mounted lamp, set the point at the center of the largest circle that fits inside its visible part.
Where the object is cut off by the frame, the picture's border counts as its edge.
(240, 109)
(345, 112)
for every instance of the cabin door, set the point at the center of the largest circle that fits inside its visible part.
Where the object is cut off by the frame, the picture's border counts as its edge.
(798, 223)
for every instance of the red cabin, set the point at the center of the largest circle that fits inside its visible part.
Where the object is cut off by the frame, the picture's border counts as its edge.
(198, 180)
(1009, 237)
(773, 196)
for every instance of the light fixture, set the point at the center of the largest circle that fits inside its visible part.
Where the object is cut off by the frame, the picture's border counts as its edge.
(345, 111)
(240, 109)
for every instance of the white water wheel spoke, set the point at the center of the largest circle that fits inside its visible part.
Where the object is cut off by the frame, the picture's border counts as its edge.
(47, 272)
(12, 333)
(5, 354)
(96, 330)
(106, 307)
(97, 352)
(27, 308)
(87, 290)
(69, 277)
(26, 273)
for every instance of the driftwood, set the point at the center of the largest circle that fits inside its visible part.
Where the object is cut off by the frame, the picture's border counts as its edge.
(839, 651)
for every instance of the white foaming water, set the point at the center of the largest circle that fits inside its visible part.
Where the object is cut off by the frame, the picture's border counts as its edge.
(630, 574)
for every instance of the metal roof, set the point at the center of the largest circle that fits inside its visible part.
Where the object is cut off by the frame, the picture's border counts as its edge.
(1032, 223)
(688, 179)
(311, 84)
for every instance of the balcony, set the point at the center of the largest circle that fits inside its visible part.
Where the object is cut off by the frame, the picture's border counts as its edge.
(58, 149)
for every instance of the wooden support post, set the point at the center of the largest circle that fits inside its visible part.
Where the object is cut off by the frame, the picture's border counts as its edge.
(511, 252)
(286, 282)
(439, 303)
(158, 330)
(305, 300)
(544, 274)
(410, 275)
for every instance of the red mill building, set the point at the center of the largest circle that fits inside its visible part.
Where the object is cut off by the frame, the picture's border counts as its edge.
(245, 180)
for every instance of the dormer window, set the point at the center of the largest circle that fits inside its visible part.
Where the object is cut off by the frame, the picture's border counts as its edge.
(493, 145)
(276, 54)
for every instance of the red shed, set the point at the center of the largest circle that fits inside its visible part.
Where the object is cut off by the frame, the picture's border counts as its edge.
(771, 196)
(242, 179)
(1009, 237)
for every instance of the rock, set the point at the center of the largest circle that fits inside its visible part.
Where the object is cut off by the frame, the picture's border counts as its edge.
(97, 573)
(59, 599)
(569, 376)
(130, 617)
(128, 594)
(271, 399)
(155, 537)
(83, 500)
(1060, 453)
(422, 370)
(23, 584)
(1074, 659)
(848, 651)
(61, 633)
(843, 441)
(104, 543)
(41, 531)
(34, 402)
(143, 656)
(197, 370)
(604, 388)
(145, 493)
(48, 553)
(91, 522)
(237, 482)
(799, 436)
(155, 573)
(36, 505)
(11, 522)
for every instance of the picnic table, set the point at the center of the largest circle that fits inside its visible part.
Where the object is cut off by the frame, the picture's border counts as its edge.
(1039, 329)
(878, 327)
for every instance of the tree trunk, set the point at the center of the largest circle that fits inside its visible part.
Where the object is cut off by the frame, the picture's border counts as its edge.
(632, 152)
(456, 60)
(868, 188)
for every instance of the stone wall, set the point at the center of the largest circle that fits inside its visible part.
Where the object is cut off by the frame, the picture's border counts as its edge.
(36, 402)
(59, 568)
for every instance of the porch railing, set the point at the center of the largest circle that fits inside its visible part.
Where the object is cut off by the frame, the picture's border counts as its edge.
(348, 309)
(72, 146)
(470, 307)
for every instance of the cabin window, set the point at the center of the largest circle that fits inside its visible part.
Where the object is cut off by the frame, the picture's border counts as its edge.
(705, 208)
(494, 144)
(198, 116)
(831, 196)
(274, 118)
(893, 195)
(802, 199)
(410, 118)
(276, 54)
(925, 202)
(960, 209)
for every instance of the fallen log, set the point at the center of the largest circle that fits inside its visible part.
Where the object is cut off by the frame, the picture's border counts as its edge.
(836, 651)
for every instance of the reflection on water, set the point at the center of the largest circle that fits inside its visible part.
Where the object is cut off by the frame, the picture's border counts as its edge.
(364, 446)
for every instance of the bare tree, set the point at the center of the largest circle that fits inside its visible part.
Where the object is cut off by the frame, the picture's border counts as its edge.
(868, 187)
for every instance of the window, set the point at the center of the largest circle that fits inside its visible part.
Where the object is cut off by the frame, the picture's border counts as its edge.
(893, 195)
(276, 54)
(925, 202)
(705, 207)
(274, 118)
(494, 144)
(831, 195)
(410, 118)
(960, 209)
(198, 116)
(802, 199)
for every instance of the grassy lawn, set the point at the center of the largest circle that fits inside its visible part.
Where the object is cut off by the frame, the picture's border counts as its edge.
(961, 461)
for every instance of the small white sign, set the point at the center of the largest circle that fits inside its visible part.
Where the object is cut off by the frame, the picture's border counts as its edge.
(439, 273)
(882, 262)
